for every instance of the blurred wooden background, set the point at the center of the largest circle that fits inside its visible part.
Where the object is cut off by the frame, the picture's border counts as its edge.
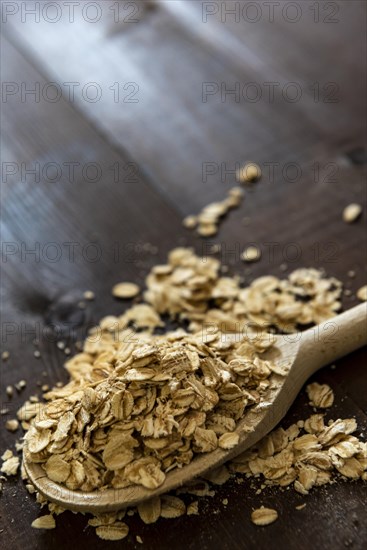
(129, 124)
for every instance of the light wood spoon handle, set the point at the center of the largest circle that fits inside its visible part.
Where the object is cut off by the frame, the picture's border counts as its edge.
(332, 339)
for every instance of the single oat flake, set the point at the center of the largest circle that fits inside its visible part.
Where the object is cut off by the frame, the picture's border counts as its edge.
(10, 463)
(264, 516)
(251, 254)
(190, 222)
(125, 290)
(320, 395)
(352, 212)
(116, 531)
(150, 510)
(362, 293)
(12, 425)
(228, 440)
(44, 522)
(250, 172)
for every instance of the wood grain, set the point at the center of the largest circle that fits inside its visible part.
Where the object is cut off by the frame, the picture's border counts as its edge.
(168, 135)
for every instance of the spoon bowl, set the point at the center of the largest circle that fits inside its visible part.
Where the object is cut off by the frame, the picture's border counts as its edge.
(298, 355)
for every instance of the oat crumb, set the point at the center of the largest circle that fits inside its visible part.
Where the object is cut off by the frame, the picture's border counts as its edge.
(193, 509)
(12, 425)
(251, 254)
(362, 293)
(250, 172)
(190, 222)
(352, 212)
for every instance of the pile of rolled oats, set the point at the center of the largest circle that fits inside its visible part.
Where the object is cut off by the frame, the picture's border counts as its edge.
(307, 454)
(139, 404)
(190, 288)
(133, 411)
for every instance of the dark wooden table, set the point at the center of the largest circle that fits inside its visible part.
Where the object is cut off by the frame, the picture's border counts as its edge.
(131, 126)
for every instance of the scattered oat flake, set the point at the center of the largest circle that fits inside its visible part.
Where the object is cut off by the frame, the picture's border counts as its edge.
(116, 531)
(88, 295)
(12, 425)
(218, 476)
(9, 391)
(301, 506)
(5, 355)
(190, 222)
(320, 395)
(207, 230)
(264, 516)
(10, 465)
(44, 522)
(125, 290)
(7, 454)
(139, 539)
(150, 510)
(193, 509)
(172, 507)
(30, 488)
(228, 440)
(236, 192)
(352, 212)
(251, 254)
(362, 293)
(248, 173)
(20, 385)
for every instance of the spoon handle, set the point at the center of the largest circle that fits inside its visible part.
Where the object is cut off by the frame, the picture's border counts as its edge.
(332, 339)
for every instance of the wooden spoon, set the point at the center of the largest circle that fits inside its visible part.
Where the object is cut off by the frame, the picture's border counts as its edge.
(302, 353)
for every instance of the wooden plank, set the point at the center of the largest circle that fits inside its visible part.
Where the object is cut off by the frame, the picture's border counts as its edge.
(181, 131)
(115, 219)
(169, 139)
